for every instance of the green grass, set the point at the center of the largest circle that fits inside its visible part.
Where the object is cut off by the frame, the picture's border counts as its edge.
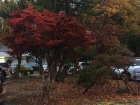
(111, 103)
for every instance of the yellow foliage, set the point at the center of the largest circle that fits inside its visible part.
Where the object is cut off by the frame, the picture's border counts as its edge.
(88, 32)
(114, 10)
(109, 15)
(98, 6)
(84, 15)
(109, 9)
(127, 10)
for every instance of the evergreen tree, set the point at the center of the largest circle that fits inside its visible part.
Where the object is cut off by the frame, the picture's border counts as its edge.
(69, 7)
(87, 12)
(7, 7)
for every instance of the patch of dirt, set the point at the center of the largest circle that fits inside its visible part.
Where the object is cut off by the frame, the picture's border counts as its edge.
(25, 91)
(28, 91)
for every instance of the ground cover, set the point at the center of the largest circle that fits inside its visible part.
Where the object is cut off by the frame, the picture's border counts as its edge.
(28, 91)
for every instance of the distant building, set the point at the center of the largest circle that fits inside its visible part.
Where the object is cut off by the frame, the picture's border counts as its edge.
(4, 56)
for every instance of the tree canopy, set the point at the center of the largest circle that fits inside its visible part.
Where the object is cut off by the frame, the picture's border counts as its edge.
(56, 34)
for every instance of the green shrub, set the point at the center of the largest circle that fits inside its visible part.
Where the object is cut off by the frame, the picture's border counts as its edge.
(24, 71)
(84, 77)
(93, 75)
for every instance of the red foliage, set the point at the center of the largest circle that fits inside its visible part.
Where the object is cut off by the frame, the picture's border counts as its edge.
(106, 37)
(46, 30)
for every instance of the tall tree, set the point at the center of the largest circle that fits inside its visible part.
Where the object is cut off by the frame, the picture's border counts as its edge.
(69, 7)
(132, 42)
(87, 12)
(4, 29)
(7, 7)
(54, 34)
(121, 13)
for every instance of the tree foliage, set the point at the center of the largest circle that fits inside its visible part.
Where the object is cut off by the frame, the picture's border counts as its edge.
(118, 56)
(132, 42)
(121, 13)
(87, 12)
(106, 37)
(100, 70)
(54, 34)
(7, 7)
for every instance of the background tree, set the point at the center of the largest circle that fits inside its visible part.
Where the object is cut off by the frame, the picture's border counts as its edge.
(106, 37)
(117, 13)
(132, 42)
(121, 13)
(7, 7)
(87, 12)
(4, 29)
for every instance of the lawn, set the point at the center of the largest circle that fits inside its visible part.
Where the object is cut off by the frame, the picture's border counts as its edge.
(28, 91)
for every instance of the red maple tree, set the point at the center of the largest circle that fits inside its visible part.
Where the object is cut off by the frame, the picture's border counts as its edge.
(52, 34)
(16, 41)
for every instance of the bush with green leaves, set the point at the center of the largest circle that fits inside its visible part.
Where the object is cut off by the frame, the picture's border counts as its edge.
(94, 75)
(85, 76)
(118, 56)
(24, 70)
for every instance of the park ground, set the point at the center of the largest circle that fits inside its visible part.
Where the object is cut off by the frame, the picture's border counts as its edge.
(28, 91)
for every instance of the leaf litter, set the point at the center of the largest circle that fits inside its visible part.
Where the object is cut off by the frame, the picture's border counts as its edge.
(28, 91)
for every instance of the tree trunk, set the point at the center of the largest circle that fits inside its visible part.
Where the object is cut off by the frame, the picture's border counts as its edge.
(52, 72)
(40, 66)
(88, 87)
(46, 90)
(65, 70)
(55, 6)
(62, 72)
(67, 8)
(16, 72)
(50, 82)
(125, 80)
